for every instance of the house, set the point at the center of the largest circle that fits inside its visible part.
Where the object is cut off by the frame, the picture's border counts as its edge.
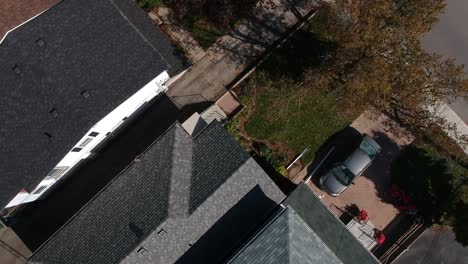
(302, 231)
(285, 239)
(70, 78)
(192, 196)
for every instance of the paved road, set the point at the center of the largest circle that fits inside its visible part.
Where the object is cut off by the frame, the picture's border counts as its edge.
(435, 247)
(449, 38)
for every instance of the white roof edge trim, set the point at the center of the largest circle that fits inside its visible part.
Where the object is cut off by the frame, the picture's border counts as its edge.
(11, 30)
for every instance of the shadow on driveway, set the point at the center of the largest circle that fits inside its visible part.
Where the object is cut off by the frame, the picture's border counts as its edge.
(370, 190)
(379, 171)
(341, 144)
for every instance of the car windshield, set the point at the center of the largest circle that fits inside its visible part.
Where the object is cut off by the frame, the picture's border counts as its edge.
(369, 149)
(343, 175)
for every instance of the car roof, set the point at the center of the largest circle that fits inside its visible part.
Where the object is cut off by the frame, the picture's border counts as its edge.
(358, 161)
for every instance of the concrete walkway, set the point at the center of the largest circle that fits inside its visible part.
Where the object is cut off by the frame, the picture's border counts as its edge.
(12, 249)
(453, 118)
(233, 54)
(164, 17)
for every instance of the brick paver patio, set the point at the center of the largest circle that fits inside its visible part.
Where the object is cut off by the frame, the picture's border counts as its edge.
(369, 190)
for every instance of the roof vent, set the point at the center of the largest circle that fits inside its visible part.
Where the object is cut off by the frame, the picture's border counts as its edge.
(142, 251)
(84, 93)
(49, 136)
(16, 69)
(162, 233)
(40, 42)
(53, 112)
(137, 158)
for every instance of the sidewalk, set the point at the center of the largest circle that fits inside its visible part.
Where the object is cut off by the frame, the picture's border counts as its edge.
(164, 17)
(461, 128)
(232, 55)
(12, 249)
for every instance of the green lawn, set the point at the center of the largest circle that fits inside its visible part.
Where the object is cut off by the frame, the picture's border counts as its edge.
(293, 114)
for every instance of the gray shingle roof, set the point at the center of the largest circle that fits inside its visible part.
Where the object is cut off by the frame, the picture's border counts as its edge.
(155, 193)
(107, 47)
(329, 228)
(285, 239)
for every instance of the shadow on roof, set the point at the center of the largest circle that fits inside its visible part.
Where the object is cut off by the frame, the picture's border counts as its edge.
(38, 221)
(229, 232)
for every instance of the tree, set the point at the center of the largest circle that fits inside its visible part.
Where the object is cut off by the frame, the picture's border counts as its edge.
(149, 4)
(222, 12)
(420, 14)
(183, 8)
(437, 185)
(379, 61)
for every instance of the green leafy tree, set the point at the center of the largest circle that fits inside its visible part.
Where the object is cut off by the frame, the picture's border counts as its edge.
(438, 186)
(149, 4)
(222, 12)
(379, 61)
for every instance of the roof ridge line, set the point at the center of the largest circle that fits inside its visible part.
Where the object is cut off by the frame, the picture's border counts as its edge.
(103, 189)
(258, 233)
(179, 189)
(313, 232)
(138, 31)
(339, 222)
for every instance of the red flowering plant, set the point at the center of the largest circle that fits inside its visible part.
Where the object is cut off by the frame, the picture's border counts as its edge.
(379, 237)
(362, 216)
(401, 199)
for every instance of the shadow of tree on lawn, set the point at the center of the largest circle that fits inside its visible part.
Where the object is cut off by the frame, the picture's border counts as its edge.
(302, 51)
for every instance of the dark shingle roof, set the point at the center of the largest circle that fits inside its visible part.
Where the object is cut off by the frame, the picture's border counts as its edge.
(155, 192)
(285, 239)
(332, 232)
(107, 47)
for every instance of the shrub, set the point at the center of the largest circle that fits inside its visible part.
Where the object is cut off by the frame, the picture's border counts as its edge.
(149, 4)
(437, 185)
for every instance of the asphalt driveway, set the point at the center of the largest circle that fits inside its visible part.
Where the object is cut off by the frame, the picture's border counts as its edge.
(435, 246)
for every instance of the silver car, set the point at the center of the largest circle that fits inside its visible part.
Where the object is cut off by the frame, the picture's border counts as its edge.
(336, 180)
